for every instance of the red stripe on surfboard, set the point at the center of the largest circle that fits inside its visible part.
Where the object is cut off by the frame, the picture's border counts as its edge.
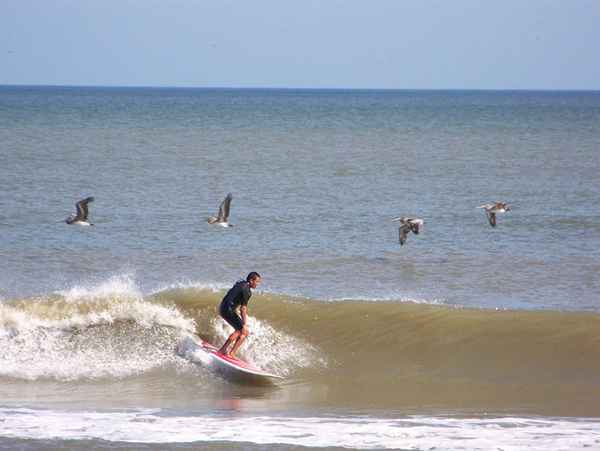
(237, 362)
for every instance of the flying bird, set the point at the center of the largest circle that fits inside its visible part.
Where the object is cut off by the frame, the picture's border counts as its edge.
(413, 225)
(222, 218)
(492, 209)
(81, 218)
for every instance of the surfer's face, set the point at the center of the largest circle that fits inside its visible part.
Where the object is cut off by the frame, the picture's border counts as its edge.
(254, 282)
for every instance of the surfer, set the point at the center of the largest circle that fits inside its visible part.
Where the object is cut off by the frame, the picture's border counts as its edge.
(237, 297)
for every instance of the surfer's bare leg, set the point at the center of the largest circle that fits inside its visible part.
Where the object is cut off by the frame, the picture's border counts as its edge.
(232, 339)
(240, 339)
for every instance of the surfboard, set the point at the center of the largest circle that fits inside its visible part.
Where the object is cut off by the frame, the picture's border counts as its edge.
(236, 368)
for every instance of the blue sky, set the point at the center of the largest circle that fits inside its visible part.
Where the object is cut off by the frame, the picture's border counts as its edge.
(417, 44)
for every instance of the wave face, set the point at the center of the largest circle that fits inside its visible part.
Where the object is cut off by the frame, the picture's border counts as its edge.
(391, 354)
(346, 353)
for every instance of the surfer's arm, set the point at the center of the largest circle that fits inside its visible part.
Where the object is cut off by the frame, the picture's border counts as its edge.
(244, 313)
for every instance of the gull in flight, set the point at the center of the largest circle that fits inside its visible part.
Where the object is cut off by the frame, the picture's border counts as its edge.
(408, 225)
(222, 218)
(492, 209)
(81, 218)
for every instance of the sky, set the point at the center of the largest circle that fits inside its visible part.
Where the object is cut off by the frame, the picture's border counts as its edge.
(376, 44)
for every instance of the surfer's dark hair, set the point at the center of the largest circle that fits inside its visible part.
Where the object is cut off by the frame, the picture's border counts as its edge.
(253, 275)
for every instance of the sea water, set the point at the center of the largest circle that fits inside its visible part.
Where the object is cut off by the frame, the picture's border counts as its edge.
(466, 336)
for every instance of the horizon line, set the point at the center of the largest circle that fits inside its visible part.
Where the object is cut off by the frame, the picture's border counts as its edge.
(292, 88)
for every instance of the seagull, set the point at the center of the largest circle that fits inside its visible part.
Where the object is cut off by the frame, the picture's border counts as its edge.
(222, 218)
(81, 218)
(492, 209)
(408, 225)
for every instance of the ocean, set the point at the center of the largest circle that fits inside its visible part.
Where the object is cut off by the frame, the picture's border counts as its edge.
(466, 337)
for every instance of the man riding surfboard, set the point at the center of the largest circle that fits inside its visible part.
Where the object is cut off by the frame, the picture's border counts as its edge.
(237, 299)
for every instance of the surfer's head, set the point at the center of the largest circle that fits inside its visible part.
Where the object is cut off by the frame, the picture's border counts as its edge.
(253, 279)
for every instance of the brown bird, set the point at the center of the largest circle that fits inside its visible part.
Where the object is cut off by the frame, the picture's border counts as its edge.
(492, 209)
(81, 218)
(222, 217)
(408, 225)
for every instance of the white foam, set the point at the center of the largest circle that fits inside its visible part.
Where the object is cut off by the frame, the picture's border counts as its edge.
(390, 298)
(189, 348)
(121, 286)
(271, 349)
(213, 287)
(117, 299)
(76, 336)
(413, 432)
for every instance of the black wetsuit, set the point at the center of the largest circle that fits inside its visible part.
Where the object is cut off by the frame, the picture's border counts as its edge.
(237, 295)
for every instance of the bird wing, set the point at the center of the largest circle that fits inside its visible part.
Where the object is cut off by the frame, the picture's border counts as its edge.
(402, 233)
(224, 208)
(82, 208)
(492, 218)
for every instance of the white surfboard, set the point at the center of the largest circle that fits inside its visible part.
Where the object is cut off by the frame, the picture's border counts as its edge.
(207, 355)
(234, 366)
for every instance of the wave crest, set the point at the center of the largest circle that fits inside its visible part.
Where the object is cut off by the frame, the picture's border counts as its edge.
(106, 330)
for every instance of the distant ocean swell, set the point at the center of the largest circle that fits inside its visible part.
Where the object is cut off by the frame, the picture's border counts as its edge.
(382, 354)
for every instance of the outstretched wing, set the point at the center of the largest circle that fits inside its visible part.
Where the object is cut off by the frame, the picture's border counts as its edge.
(82, 208)
(402, 233)
(492, 218)
(224, 208)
